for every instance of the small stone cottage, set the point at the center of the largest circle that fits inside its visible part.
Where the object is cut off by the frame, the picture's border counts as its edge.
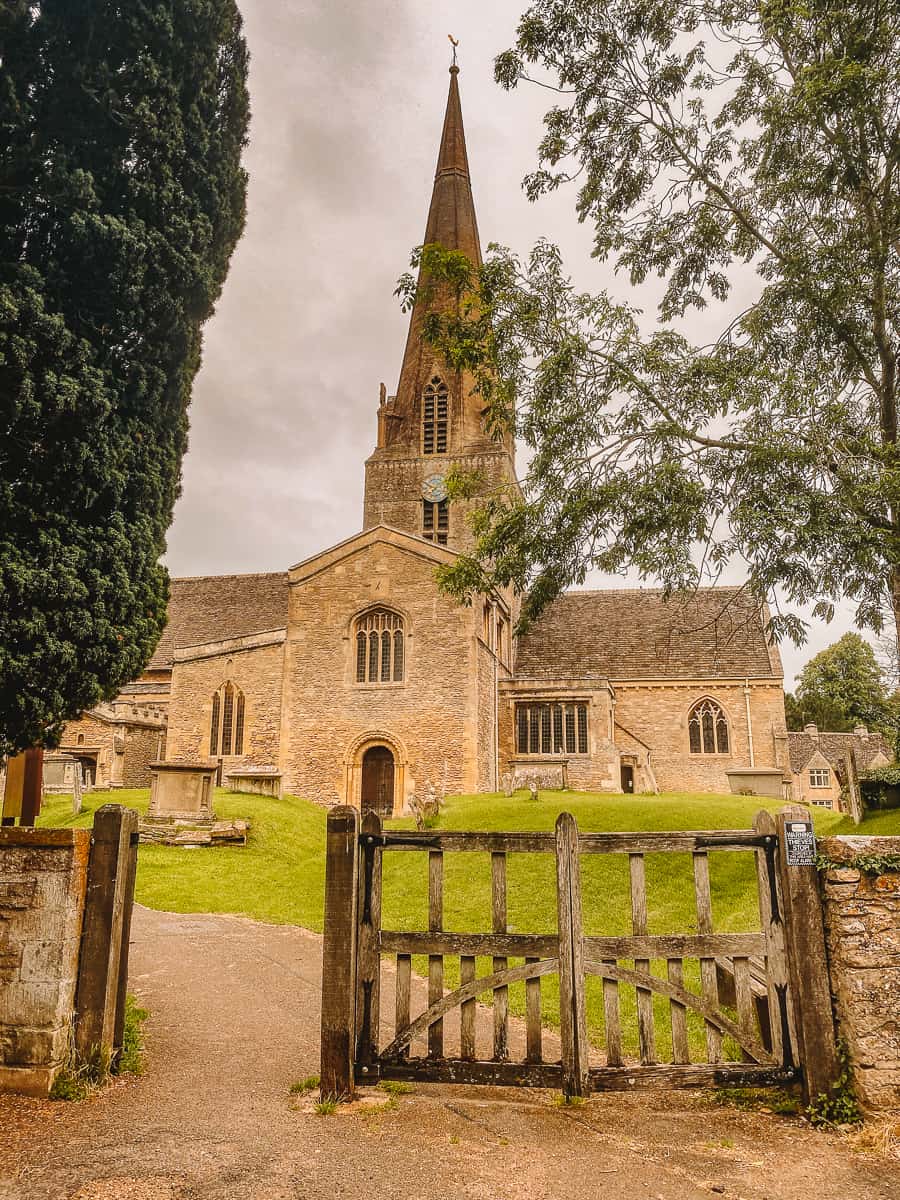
(818, 761)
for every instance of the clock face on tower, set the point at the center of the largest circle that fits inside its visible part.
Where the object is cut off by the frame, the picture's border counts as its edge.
(434, 488)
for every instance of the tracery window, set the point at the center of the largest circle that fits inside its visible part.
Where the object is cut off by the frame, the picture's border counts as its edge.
(436, 521)
(435, 415)
(226, 726)
(708, 728)
(380, 647)
(551, 728)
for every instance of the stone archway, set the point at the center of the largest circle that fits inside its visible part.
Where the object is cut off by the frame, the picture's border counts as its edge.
(387, 751)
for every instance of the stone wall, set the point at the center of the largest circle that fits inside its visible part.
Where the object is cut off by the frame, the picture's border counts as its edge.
(143, 745)
(429, 721)
(43, 876)
(596, 771)
(862, 924)
(253, 664)
(658, 714)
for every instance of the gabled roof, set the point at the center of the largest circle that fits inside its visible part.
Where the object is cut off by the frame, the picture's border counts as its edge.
(212, 608)
(716, 632)
(833, 746)
(384, 534)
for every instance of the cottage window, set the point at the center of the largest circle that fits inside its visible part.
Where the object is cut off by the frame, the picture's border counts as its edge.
(545, 728)
(226, 726)
(435, 414)
(379, 647)
(820, 777)
(436, 521)
(708, 729)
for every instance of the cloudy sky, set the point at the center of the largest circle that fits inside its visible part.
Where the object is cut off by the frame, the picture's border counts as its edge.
(348, 101)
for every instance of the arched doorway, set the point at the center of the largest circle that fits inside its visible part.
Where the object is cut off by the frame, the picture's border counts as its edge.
(377, 793)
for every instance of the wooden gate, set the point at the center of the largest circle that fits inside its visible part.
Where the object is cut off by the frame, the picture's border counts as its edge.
(760, 1019)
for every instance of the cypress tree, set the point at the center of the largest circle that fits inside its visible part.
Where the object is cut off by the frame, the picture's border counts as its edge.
(122, 197)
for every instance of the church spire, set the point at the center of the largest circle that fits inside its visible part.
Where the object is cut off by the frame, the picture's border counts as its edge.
(435, 421)
(452, 223)
(451, 217)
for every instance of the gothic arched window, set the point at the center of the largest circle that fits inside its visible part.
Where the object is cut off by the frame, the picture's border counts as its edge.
(708, 728)
(435, 417)
(226, 726)
(379, 647)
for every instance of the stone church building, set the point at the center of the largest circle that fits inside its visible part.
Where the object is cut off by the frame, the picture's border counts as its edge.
(356, 679)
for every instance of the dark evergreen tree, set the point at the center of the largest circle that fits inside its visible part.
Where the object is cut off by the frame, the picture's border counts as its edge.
(122, 197)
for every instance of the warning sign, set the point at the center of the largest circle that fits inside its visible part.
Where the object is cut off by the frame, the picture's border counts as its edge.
(800, 843)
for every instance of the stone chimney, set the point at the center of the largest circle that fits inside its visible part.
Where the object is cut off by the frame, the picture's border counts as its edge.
(811, 731)
(861, 731)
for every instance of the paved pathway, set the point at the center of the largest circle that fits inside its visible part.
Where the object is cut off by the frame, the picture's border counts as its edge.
(235, 1021)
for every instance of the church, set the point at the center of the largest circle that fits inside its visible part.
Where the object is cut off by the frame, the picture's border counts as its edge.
(353, 678)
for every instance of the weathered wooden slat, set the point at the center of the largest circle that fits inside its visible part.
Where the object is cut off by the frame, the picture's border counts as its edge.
(611, 1018)
(455, 1070)
(401, 999)
(759, 989)
(467, 1010)
(804, 929)
(533, 1033)
(468, 991)
(435, 961)
(743, 994)
(521, 945)
(613, 1079)
(693, 1075)
(368, 955)
(572, 1017)
(646, 1032)
(781, 1017)
(673, 991)
(707, 965)
(339, 954)
(500, 963)
(678, 1014)
(589, 843)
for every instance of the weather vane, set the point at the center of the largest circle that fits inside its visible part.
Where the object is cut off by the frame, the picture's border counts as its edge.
(455, 43)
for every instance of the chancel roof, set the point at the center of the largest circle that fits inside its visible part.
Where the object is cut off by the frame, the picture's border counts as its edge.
(212, 608)
(638, 634)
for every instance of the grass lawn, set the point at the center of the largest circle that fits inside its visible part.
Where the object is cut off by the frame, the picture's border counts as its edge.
(279, 876)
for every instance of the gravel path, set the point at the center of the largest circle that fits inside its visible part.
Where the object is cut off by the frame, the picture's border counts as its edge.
(235, 1011)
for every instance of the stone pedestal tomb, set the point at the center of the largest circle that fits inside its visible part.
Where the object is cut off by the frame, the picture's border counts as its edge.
(182, 792)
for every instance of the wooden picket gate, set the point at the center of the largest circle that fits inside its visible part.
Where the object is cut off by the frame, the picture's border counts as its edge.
(794, 1041)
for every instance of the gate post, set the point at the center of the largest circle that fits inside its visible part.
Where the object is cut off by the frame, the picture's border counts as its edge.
(804, 928)
(107, 918)
(339, 954)
(368, 956)
(572, 1019)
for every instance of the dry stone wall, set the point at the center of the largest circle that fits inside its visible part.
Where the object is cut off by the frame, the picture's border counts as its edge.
(43, 876)
(862, 923)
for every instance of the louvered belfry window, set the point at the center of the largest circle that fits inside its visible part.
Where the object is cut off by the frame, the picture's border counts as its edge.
(546, 728)
(435, 417)
(226, 727)
(436, 521)
(708, 729)
(379, 647)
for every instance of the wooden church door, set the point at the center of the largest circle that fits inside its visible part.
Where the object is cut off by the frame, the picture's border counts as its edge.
(378, 781)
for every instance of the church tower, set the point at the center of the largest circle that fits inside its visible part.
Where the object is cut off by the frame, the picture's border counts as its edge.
(435, 421)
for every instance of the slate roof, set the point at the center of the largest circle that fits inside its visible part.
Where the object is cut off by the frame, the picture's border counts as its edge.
(636, 634)
(833, 746)
(211, 608)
